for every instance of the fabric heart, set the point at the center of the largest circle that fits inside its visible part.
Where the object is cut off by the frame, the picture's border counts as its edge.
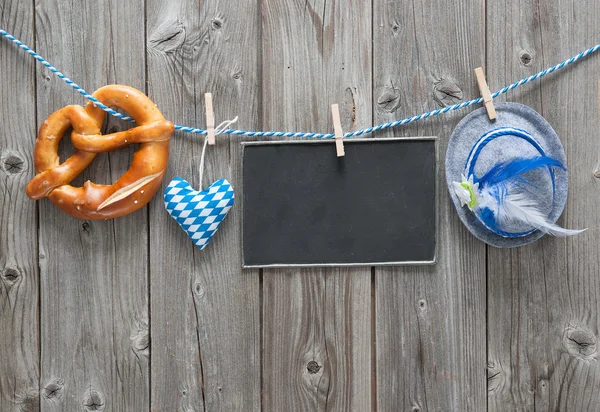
(199, 213)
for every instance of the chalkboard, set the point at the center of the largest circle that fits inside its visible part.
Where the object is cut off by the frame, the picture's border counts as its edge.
(303, 206)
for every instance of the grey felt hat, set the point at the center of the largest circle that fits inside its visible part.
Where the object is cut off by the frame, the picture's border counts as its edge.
(479, 145)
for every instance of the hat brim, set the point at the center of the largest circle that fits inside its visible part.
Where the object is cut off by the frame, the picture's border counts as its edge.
(466, 134)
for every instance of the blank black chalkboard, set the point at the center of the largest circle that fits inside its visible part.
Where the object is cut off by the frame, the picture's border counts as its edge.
(303, 206)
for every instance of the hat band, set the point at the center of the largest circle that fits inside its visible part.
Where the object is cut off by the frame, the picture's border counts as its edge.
(474, 155)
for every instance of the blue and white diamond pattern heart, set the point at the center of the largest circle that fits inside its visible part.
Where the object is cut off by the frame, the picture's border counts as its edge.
(199, 213)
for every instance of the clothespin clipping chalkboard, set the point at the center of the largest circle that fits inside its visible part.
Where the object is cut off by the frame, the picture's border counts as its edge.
(210, 119)
(488, 102)
(337, 127)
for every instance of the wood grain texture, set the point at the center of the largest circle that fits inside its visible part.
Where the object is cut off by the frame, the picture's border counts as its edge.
(94, 290)
(544, 298)
(316, 322)
(205, 309)
(314, 339)
(19, 277)
(430, 321)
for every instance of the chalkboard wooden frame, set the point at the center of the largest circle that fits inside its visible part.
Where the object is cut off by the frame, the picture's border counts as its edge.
(433, 261)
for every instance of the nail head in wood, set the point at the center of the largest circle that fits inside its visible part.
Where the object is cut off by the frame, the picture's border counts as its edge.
(337, 127)
(488, 102)
(210, 118)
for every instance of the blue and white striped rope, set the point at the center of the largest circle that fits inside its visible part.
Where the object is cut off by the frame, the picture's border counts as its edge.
(369, 130)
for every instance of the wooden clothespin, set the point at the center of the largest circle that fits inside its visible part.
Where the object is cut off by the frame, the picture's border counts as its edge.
(210, 118)
(337, 127)
(488, 102)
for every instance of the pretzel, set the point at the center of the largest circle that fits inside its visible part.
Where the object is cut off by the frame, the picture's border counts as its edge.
(130, 192)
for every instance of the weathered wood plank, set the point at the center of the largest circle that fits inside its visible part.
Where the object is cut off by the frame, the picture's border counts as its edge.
(206, 315)
(94, 290)
(316, 322)
(430, 321)
(19, 277)
(544, 298)
(205, 310)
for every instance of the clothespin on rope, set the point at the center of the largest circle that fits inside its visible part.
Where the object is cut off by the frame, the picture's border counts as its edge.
(211, 132)
(220, 129)
(488, 102)
(337, 127)
(210, 119)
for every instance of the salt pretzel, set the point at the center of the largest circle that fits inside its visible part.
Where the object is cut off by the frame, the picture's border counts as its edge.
(129, 193)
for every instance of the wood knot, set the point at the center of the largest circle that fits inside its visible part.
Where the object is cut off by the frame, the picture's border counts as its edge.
(28, 401)
(495, 377)
(54, 389)
(597, 173)
(313, 367)
(422, 303)
(168, 37)
(86, 227)
(580, 342)
(198, 290)
(389, 100)
(395, 27)
(216, 23)
(140, 341)
(446, 92)
(93, 401)
(13, 164)
(10, 276)
(416, 407)
(525, 58)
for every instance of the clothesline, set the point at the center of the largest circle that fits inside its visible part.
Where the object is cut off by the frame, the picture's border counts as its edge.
(188, 129)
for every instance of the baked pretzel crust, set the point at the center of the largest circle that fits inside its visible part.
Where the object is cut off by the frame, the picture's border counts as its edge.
(140, 182)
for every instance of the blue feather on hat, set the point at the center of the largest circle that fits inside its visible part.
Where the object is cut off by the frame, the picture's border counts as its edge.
(504, 195)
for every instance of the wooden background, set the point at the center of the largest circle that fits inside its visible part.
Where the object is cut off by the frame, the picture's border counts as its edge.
(128, 315)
